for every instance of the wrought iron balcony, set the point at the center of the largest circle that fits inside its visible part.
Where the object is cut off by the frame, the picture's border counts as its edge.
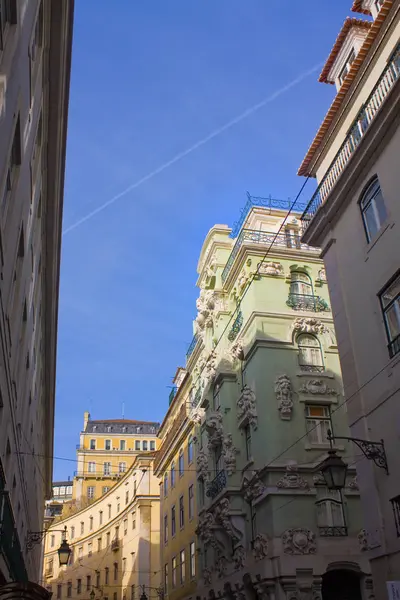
(264, 238)
(307, 302)
(394, 346)
(333, 531)
(359, 128)
(10, 546)
(192, 346)
(115, 545)
(196, 397)
(172, 394)
(312, 368)
(216, 485)
(272, 203)
(236, 327)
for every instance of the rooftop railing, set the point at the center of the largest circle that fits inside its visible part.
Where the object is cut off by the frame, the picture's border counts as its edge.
(264, 238)
(359, 128)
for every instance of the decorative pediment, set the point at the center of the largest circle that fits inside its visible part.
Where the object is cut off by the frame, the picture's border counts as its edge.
(309, 325)
(316, 387)
(292, 479)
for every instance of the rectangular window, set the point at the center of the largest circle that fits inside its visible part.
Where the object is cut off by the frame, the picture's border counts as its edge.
(192, 550)
(144, 445)
(79, 586)
(13, 163)
(165, 529)
(247, 433)
(125, 526)
(98, 544)
(122, 445)
(126, 497)
(133, 520)
(90, 523)
(191, 502)
(52, 541)
(98, 582)
(181, 513)
(182, 569)
(115, 571)
(59, 588)
(347, 65)
(90, 492)
(318, 421)
(106, 574)
(91, 467)
(201, 493)
(92, 444)
(123, 565)
(72, 532)
(107, 468)
(137, 445)
(152, 445)
(173, 521)
(88, 582)
(89, 546)
(396, 513)
(174, 572)
(166, 580)
(105, 489)
(108, 537)
(100, 517)
(122, 467)
(330, 515)
(69, 589)
(133, 591)
(390, 302)
(82, 527)
(107, 444)
(80, 551)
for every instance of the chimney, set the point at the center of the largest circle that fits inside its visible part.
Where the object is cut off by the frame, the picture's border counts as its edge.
(86, 417)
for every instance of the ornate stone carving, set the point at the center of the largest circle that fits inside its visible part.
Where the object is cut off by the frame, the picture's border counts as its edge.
(239, 558)
(221, 565)
(229, 453)
(299, 541)
(214, 429)
(247, 407)
(205, 527)
(318, 479)
(207, 573)
(353, 484)
(270, 268)
(322, 275)
(292, 479)
(363, 540)
(253, 488)
(316, 387)
(283, 392)
(236, 350)
(260, 546)
(202, 465)
(309, 325)
(221, 515)
(210, 368)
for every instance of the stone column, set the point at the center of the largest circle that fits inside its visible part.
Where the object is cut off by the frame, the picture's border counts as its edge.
(24, 591)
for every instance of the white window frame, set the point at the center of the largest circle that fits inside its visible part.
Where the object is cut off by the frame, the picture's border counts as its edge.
(182, 566)
(372, 200)
(317, 426)
(310, 354)
(328, 501)
(390, 304)
(192, 564)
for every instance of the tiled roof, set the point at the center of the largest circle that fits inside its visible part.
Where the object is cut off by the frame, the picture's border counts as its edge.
(357, 7)
(122, 426)
(304, 168)
(349, 23)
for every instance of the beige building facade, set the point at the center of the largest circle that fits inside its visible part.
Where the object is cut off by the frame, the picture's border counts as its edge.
(35, 62)
(115, 542)
(354, 216)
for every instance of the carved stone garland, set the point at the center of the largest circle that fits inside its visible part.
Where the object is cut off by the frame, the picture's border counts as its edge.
(292, 479)
(317, 387)
(260, 546)
(247, 407)
(309, 325)
(283, 392)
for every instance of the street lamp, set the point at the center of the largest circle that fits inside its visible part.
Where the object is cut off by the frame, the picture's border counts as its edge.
(64, 551)
(334, 469)
(92, 595)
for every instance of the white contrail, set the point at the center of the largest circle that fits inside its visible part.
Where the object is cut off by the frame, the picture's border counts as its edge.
(181, 155)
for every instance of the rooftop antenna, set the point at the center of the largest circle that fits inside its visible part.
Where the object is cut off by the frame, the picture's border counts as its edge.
(123, 410)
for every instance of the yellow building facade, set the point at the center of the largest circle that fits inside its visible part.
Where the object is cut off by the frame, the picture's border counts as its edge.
(175, 467)
(114, 541)
(106, 451)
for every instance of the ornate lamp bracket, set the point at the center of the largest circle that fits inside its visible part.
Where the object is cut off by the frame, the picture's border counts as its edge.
(374, 451)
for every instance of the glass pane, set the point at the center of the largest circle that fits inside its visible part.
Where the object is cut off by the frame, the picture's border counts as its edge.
(312, 430)
(370, 221)
(322, 516)
(393, 319)
(337, 514)
(392, 292)
(308, 340)
(380, 207)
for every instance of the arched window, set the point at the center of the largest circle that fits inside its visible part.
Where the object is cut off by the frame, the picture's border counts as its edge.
(373, 209)
(330, 516)
(310, 354)
(173, 474)
(181, 462)
(165, 485)
(301, 295)
(190, 449)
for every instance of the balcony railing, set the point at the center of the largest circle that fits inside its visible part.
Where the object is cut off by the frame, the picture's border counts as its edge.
(307, 302)
(360, 126)
(172, 394)
(264, 238)
(10, 546)
(216, 485)
(236, 327)
(332, 531)
(192, 346)
(312, 368)
(196, 397)
(394, 346)
(272, 203)
(115, 545)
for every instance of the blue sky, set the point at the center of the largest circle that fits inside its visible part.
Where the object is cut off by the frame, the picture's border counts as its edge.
(150, 79)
